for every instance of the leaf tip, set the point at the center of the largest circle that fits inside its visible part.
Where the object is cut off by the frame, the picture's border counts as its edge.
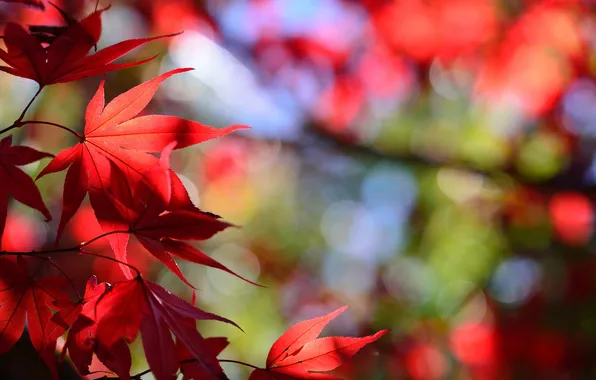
(47, 215)
(104, 9)
(238, 127)
(338, 311)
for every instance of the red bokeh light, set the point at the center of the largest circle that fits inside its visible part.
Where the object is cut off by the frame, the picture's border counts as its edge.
(426, 362)
(384, 74)
(533, 63)
(226, 159)
(84, 226)
(474, 344)
(21, 234)
(439, 28)
(341, 103)
(572, 217)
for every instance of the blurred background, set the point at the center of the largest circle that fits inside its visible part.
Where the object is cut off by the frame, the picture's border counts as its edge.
(429, 163)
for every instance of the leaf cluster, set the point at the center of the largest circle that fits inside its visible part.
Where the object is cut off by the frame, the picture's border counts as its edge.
(121, 161)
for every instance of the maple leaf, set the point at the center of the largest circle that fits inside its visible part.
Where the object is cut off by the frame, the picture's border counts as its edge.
(156, 225)
(114, 137)
(136, 305)
(16, 182)
(298, 354)
(49, 33)
(82, 343)
(26, 299)
(66, 58)
(190, 368)
(32, 3)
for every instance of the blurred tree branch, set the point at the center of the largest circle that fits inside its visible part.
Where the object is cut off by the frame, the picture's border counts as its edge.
(315, 135)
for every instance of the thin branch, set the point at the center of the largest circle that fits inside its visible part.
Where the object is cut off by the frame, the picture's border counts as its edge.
(76, 248)
(61, 250)
(139, 375)
(236, 362)
(29, 104)
(66, 276)
(86, 243)
(17, 122)
(9, 128)
(49, 260)
(347, 146)
(111, 259)
(317, 137)
(104, 377)
(21, 123)
(37, 253)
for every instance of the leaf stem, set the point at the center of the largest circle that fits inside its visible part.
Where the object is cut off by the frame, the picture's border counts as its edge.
(18, 122)
(86, 243)
(28, 105)
(111, 259)
(8, 128)
(141, 374)
(60, 250)
(65, 276)
(76, 248)
(21, 123)
(49, 260)
(238, 362)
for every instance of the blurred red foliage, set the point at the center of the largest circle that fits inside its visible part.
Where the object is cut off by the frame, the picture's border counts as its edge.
(572, 216)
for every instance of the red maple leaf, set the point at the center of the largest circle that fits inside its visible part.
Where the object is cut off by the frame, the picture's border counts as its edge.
(148, 214)
(189, 366)
(23, 298)
(65, 59)
(82, 341)
(138, 305)
(32, 3)
(16, 182)
(49, 33)
(115, 138)
(298, 354)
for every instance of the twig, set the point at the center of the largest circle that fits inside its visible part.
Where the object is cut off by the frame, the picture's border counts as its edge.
(65, 276)
(317, 136)
(60, 250)
(139, 375)
(76, 248)
(17, 122)
(111, 259)
(49, 260)
(233, 361)
(29, 104)
(21, 123)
